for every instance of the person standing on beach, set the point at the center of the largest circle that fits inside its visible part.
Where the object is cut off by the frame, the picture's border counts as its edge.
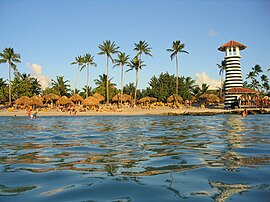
(29, 111)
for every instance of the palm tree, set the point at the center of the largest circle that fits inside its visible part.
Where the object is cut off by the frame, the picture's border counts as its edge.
(222, 68)
(86, 90)
(102, 84)
(89, 61)
(8, 56)
(80, 61)
(137, 65)
(129, 89)
(141, 47)
(61, 86)
(197, 91)
(177, 47)
(121, 61)
(255, 84)
(108, 48)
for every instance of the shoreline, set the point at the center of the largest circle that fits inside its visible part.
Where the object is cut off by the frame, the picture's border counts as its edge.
(137, 111)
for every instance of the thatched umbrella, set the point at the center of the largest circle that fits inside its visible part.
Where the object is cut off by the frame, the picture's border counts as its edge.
(174, 97)
(99, 97)
(51, 97)
(22, 100)
(64, 101)
(153, 99)
(76, 98)
(147, 99)
(116, 98)
(90, 101)
(209, 98)
(125, 98)
(35, 101)
(213, 98)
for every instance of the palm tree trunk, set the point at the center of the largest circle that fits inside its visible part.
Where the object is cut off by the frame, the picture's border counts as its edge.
(221, 82)
(122, 73)
(136, 87)
(176, 90)
(87, 79)
(107, 79)
(9, 83)
(76, 79)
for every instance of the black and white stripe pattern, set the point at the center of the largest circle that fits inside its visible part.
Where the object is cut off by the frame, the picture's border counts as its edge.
(233, 77)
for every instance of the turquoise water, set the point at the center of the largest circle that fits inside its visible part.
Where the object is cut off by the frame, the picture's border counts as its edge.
(141, 158)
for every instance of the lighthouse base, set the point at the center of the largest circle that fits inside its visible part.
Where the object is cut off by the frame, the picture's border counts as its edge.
(231, 101)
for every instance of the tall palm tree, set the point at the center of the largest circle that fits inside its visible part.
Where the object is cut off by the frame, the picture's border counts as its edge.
(79, 60)
(137, 65)
(8, 56)
(108, 48)
(177, 47)
(222, 69)
(141, 47)
(122, 60)
(61, 86)
(89, 61)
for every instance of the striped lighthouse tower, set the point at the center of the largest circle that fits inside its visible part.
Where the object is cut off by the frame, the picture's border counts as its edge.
(233, 77)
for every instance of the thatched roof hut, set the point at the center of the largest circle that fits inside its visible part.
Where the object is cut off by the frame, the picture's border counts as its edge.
(22, 100)
(76, 98)
(64, 101)
(99, 97)
(90, 101)
(35, 100)
(147, 99)
(125, 98)
(210, 98)
(174, 97)
(51, 97)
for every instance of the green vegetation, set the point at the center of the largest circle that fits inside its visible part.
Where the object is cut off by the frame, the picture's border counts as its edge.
(24, 84)
(257, 80)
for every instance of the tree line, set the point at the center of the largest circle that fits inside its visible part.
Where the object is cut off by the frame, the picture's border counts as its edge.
(159, 87)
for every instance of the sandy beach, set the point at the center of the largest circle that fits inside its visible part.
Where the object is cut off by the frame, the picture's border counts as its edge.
(135, 112)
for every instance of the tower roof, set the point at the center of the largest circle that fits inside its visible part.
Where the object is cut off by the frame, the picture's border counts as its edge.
(230, 44)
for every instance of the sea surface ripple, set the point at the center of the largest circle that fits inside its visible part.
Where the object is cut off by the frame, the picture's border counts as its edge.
(135, 158)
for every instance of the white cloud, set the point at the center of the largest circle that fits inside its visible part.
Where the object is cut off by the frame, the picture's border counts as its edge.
(212, 33)
(204, 78)
(36, 72)
(36, 69)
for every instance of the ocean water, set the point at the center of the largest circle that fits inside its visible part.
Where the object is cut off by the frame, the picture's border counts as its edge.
(140, 158)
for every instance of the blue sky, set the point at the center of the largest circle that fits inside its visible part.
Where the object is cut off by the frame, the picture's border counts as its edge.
(49, 34)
